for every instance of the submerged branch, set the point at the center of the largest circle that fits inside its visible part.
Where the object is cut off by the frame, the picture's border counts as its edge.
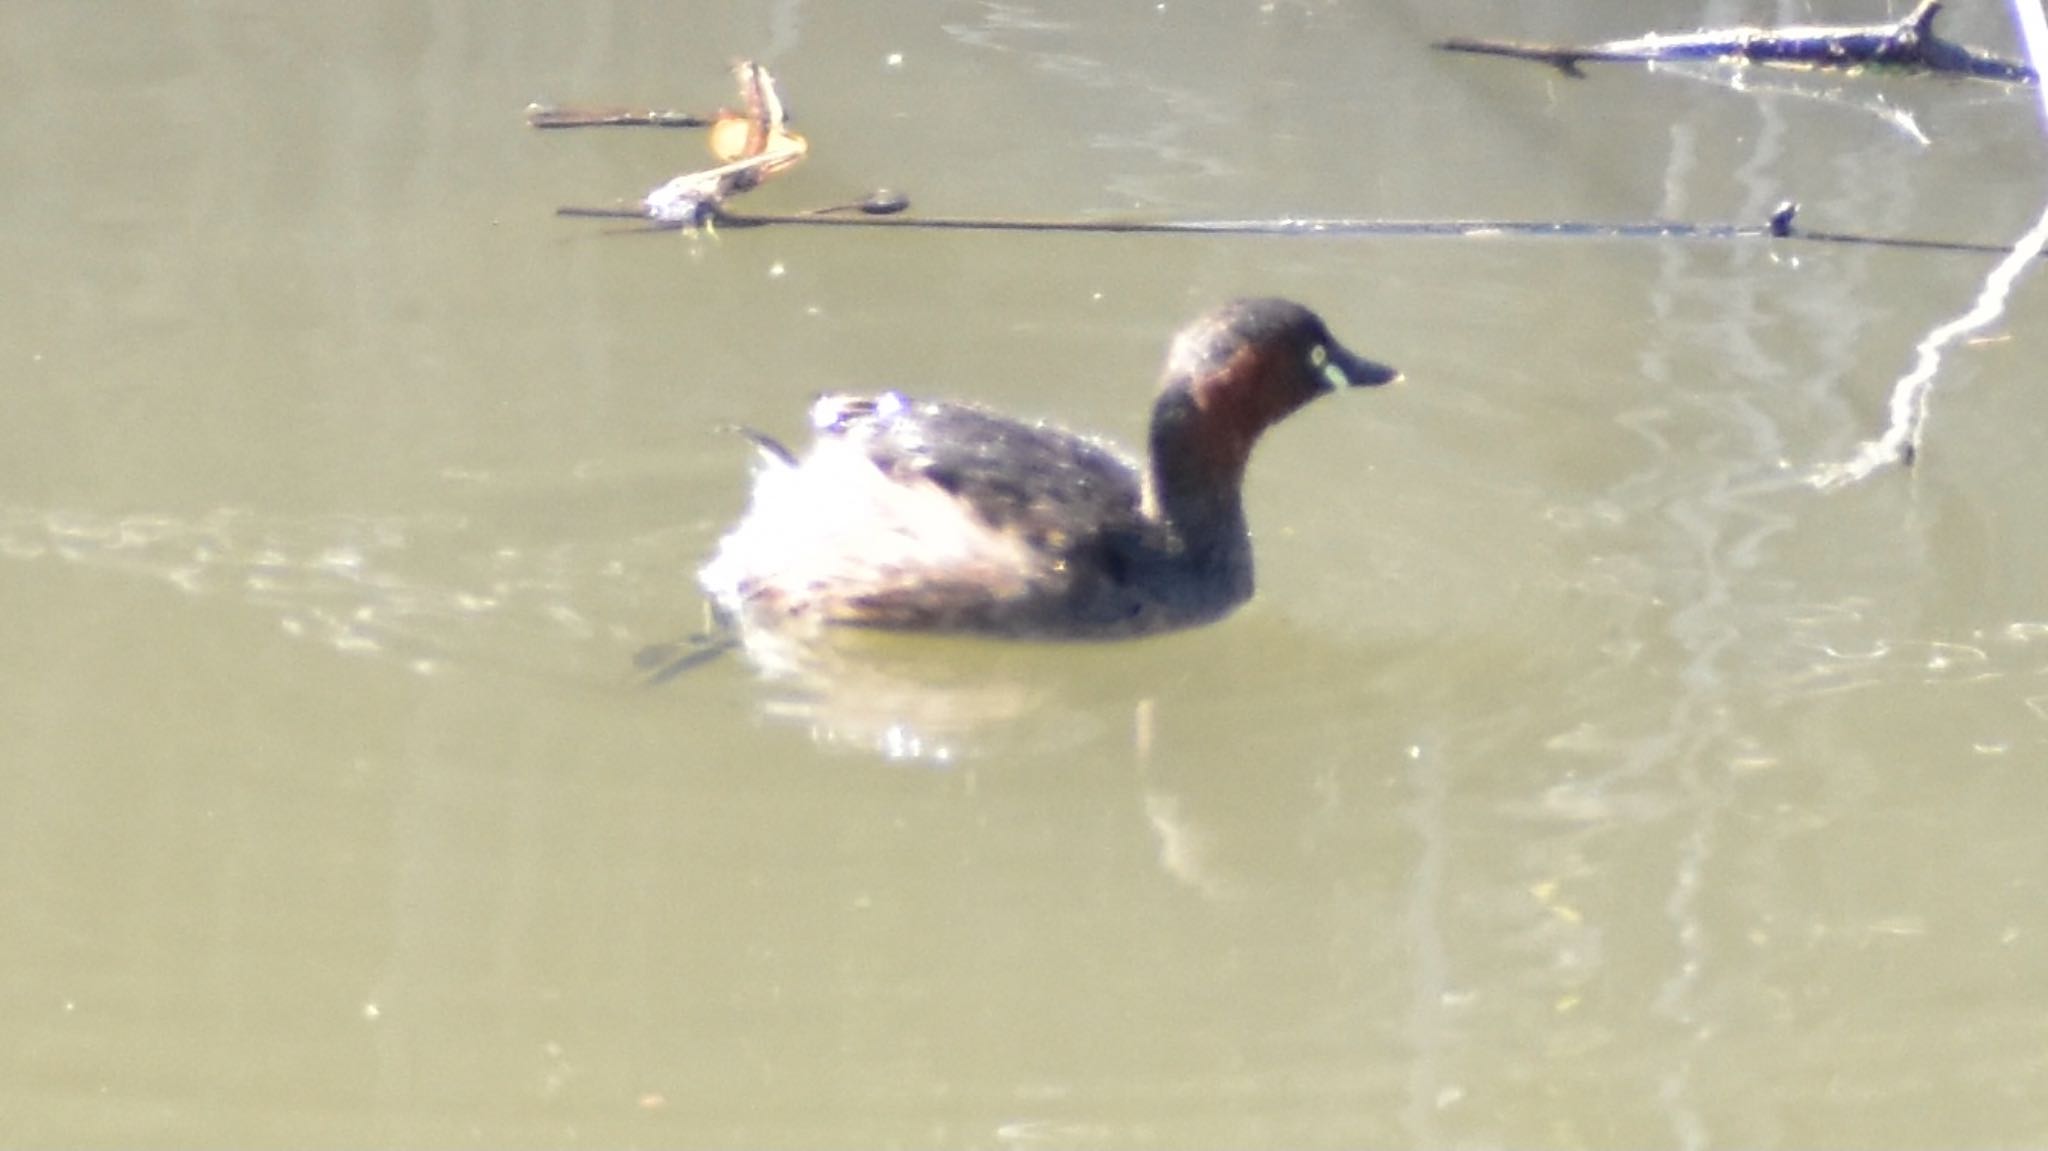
(1900, 443)
(1909, 44)
(663, 662)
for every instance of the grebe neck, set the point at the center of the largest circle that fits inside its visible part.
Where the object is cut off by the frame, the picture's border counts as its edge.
(1194, 490)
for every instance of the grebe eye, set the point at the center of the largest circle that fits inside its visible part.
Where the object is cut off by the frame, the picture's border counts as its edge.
(1319, 359)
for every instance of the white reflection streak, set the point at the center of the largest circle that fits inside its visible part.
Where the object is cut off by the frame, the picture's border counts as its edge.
(1428, 1094)
(785, 28)
(2033, 25)
(1674, 998)
(1698, 723)
(1900, 442)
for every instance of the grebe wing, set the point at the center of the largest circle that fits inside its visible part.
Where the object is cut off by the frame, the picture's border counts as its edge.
(1055, 487)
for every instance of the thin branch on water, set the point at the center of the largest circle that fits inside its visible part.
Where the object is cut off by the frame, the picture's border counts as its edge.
(880, 212)
(1900, 443)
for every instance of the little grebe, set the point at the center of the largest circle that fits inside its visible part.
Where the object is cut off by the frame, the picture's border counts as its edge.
(938, 516)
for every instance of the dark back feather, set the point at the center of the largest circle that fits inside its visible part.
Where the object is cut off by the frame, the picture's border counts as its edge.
(1060, 491)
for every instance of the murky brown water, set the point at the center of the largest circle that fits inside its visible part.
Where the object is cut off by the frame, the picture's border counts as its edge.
(1581, 776)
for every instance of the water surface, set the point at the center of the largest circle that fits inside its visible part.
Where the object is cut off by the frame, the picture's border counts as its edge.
(1580, 776)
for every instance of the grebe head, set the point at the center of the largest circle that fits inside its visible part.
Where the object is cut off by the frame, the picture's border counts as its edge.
(1237, 371)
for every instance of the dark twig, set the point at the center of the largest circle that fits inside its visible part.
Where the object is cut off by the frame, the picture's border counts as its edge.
(549, 116)
(604, 213)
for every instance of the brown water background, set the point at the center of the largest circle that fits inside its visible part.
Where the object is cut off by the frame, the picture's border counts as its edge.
(1581, 776)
